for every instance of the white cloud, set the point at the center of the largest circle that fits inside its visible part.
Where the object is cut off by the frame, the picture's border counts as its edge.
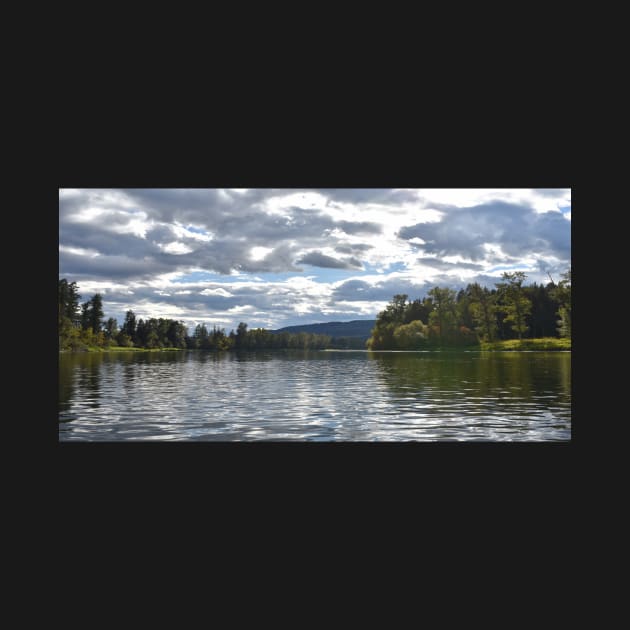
(258, 253)
(220, 291)
(176, 248)
(79, 251)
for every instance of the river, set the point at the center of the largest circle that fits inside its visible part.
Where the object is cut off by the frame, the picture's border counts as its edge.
(315, 396)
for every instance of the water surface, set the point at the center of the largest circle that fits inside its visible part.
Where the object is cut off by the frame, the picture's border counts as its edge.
(311, 395)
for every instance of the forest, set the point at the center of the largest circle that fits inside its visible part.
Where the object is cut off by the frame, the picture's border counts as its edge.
(477, 316)
(471, 317)
(83, 327)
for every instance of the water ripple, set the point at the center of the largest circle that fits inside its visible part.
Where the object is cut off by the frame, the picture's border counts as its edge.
(316, 396)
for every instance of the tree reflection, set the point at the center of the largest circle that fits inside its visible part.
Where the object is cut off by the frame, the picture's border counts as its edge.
(66, 387)
(478, 375)
(88, 379)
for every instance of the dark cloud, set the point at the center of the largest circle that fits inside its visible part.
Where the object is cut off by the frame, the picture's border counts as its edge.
(192, 299)
(188, 206)
(368, 195)
(355, 248)
(359, 290)
(236, 221)
(361, 227)
(116, 267)
(317, 259)
(551, 192)
(277, 261)
(95, 235)
(518, 229)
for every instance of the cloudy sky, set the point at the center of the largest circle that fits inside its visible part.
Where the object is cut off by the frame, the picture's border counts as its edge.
(279, 257)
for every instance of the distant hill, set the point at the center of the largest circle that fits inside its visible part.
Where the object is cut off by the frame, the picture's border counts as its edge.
(360, 328)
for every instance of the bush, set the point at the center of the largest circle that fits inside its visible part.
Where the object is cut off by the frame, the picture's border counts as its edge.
(412, 336)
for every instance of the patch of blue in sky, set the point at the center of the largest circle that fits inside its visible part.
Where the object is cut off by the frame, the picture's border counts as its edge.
(564, 209)
(269, 277)
(329, 274)
(200, 276)
(190, 228)
(398, 266)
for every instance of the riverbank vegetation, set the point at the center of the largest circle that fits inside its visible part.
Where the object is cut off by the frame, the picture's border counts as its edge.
(544, 344)
(82, 328)
(509, 317)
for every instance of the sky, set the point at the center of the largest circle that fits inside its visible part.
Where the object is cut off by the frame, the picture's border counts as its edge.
(280, 257)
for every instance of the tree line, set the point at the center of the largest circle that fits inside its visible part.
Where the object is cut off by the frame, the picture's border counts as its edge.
(446, 318)
(83, 325)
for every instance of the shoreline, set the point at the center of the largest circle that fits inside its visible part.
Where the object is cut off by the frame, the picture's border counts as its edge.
(96, 349)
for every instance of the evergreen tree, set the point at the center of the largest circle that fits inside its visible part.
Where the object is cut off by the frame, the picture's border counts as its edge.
(68, 301)
(176, 335)
(129, 325)
(201, 336)
(140, 338)
(86, 315)
(418, 310)
(464, 314)
(241, 335)
(111, 330)
(96, 312)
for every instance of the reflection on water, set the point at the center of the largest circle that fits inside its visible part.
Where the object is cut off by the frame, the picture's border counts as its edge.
(475, 395)
(310, 395)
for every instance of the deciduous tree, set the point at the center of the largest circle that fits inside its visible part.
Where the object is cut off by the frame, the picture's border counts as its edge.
(514, 302)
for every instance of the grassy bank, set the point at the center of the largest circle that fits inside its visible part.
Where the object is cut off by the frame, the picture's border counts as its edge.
(544, 343)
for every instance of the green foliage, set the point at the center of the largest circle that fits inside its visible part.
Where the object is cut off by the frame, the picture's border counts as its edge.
(382, 335)
(124, 340)
(395, 311)
(347, 343)
(92, 313)
(396, 330)
(418, 310)
(69, 335)
(483, 309)
(542, 344)
(444, 314)
(241, 335)
(564, 321)
(129, 326)
(542, 319)
(449, 319)
(464, 314)
(513, 301)
(412, 336)
(262, 339)
(562, 293)
(68, 301)
(96, 312)
(111, 330)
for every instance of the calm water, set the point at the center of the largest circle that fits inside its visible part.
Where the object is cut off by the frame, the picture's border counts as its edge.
(326, 396)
